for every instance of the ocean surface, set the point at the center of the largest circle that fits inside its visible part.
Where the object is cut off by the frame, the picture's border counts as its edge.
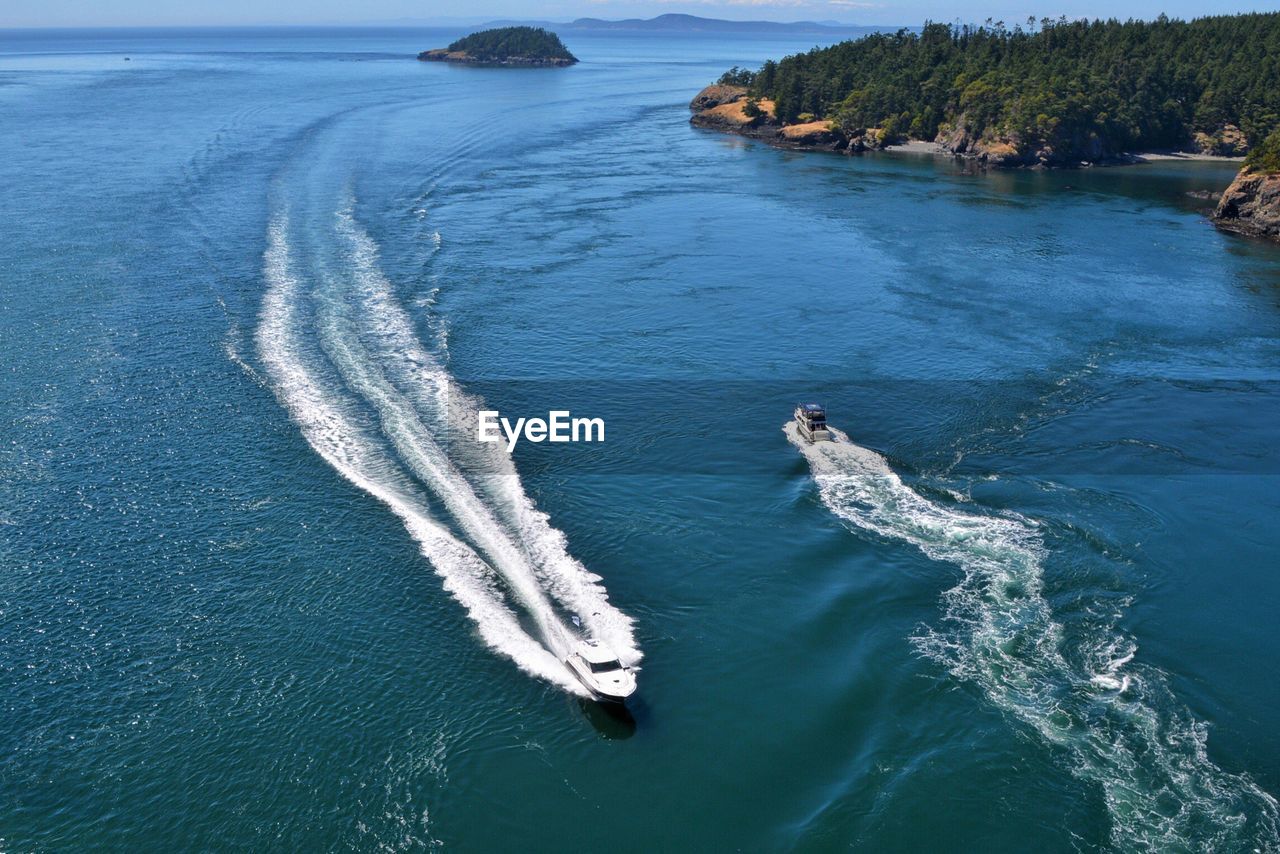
(260, 590)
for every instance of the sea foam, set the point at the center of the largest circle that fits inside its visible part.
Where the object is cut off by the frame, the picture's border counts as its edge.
(1114, 722)
(283, 345)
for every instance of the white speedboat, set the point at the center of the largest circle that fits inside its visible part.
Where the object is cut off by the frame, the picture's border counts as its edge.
(598, 668)
(811, 421)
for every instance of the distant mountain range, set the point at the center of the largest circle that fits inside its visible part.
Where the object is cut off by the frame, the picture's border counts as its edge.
(692, 24)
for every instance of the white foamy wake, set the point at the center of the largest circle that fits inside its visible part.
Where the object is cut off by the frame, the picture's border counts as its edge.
(432, 422)
(1117, 723)
(320, 414)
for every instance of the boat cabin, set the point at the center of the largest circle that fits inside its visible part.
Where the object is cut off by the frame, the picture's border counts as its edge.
(811, 421)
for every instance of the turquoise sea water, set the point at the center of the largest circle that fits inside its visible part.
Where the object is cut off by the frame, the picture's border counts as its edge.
(257, 590)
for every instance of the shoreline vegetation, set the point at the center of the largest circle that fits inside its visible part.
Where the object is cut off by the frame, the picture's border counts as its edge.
(527, 47)
(827, 136)
(1057, 94)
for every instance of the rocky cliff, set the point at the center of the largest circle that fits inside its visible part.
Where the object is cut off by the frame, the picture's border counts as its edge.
(728, 109)
(1010, 150)
(1227, 141)
(715, 95)
(1251, 205)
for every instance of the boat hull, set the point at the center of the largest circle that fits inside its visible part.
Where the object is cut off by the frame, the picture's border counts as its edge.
(598, 692)
(814, 435)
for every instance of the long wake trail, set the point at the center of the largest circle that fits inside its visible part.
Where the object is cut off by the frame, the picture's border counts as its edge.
(303, 340)
(477, 482)
(1116, 722)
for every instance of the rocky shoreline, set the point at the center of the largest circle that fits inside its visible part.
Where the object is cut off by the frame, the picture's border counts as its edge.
(729, 109)
(460, 57)
(1251, 205)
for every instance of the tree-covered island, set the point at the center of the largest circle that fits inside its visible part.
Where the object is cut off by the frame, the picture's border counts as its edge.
(517, 46)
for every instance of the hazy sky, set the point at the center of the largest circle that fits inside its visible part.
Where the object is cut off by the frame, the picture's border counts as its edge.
(25, 13)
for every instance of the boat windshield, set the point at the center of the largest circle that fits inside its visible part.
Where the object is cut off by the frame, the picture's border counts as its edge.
(605, 666)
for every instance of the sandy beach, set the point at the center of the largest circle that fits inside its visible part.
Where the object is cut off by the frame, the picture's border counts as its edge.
(918, 146)
(1182, 155)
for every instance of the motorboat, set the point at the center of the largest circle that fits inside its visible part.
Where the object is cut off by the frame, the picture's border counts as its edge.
(811, 421)
(599, 669)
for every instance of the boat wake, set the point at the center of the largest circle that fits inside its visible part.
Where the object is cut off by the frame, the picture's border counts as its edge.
(342, 356)
(1115, 722)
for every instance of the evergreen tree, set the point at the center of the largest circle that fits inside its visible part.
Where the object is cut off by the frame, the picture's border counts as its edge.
(507, 42)
(1131, 85)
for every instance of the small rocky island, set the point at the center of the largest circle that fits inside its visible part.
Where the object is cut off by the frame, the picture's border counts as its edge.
(525, 47)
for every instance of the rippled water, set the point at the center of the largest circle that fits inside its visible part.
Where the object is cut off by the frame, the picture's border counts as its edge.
(259, 589)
